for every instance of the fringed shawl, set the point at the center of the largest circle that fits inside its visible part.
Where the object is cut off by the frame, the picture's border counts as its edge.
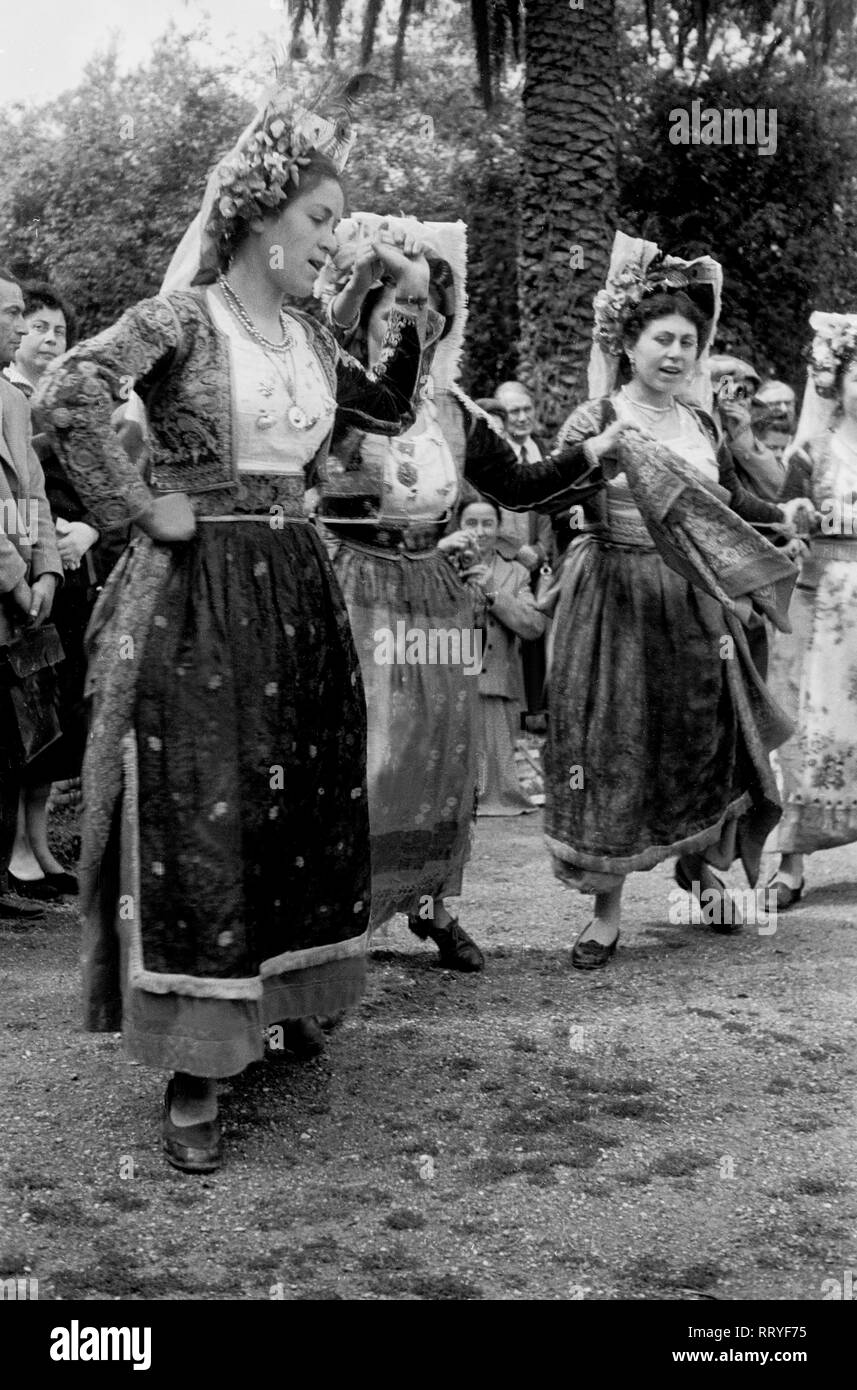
(699, 535)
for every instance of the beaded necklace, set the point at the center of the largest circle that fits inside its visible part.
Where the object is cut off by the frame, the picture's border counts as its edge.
(240, 312)
(642, 405)
(265, 420)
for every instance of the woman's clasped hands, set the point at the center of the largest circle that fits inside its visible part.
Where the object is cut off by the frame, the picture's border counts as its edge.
(393, 253)
(74, 539)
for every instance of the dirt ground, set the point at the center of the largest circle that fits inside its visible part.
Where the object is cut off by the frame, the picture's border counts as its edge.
(679, 1126)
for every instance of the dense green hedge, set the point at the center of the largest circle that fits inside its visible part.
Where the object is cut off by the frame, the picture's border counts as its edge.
(782, 224)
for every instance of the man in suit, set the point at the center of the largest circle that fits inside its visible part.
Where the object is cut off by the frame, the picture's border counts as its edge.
(531, 530)
(527, 537)
(30, 567)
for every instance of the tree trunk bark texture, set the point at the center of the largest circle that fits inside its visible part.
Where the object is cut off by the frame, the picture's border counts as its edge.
(568, 193)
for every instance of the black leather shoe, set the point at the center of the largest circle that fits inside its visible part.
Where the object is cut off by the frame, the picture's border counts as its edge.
(14, 908)
(37, 888)
(301, 1038)
(458, 951)
(63, 883)
(695, 886)
(784, 895)
(192, 1148)
(591, 954)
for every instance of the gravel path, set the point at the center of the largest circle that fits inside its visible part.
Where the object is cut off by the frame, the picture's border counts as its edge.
(678, 1126)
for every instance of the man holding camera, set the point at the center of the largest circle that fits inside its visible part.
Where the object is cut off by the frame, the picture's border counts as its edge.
(735, 385)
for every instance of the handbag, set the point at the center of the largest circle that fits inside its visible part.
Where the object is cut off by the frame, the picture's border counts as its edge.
(29, 660)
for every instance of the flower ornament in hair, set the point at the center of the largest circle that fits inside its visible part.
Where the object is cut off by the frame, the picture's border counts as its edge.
(834, 344)
(632, 283)
(260, 175)
(614, 303)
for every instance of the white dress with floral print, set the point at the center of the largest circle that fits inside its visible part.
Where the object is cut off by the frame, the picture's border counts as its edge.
(821, 805)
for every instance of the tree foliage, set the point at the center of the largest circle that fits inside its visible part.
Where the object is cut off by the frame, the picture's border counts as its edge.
(100, 184)
(496, 28)
(694, 34)
(427, 148)
(782, 225)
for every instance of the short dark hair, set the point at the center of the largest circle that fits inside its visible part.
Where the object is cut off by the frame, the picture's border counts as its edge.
(6, 274)
(660, 306)
(478, 501)
(442, 283)
(38, 294)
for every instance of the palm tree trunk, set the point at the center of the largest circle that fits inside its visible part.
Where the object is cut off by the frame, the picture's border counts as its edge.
(568, 193)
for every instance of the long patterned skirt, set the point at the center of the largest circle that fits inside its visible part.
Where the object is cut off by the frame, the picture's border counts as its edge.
(226, 845)
(653, 746)
(815, 671)
(422, 735)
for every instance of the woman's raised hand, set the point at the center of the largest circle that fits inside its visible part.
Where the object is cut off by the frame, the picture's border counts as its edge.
(169, 519)
(410, 271)
(366, 266)
(404, 235)
(396, 256)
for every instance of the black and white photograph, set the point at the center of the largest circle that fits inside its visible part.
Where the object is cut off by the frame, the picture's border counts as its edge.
(428, 666)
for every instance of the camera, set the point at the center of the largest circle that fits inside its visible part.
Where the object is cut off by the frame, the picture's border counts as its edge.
(728, 389)
(464, 558)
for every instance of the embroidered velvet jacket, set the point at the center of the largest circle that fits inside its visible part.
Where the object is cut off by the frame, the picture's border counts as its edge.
(179, 363)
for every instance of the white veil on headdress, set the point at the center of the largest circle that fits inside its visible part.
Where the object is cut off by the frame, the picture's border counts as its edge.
(197, 251)
(448, 240)
(630, 267)
(831, 333)
(197, 246)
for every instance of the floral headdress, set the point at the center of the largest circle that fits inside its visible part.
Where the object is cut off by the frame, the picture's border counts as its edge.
(637, 270)
(834, 344)
(258, 176)
(632, 283)
(265, 169)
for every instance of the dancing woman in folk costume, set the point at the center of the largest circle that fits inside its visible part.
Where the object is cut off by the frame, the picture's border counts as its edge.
(385, 504)
(225, 863)
(660, 726)
(814, 669)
